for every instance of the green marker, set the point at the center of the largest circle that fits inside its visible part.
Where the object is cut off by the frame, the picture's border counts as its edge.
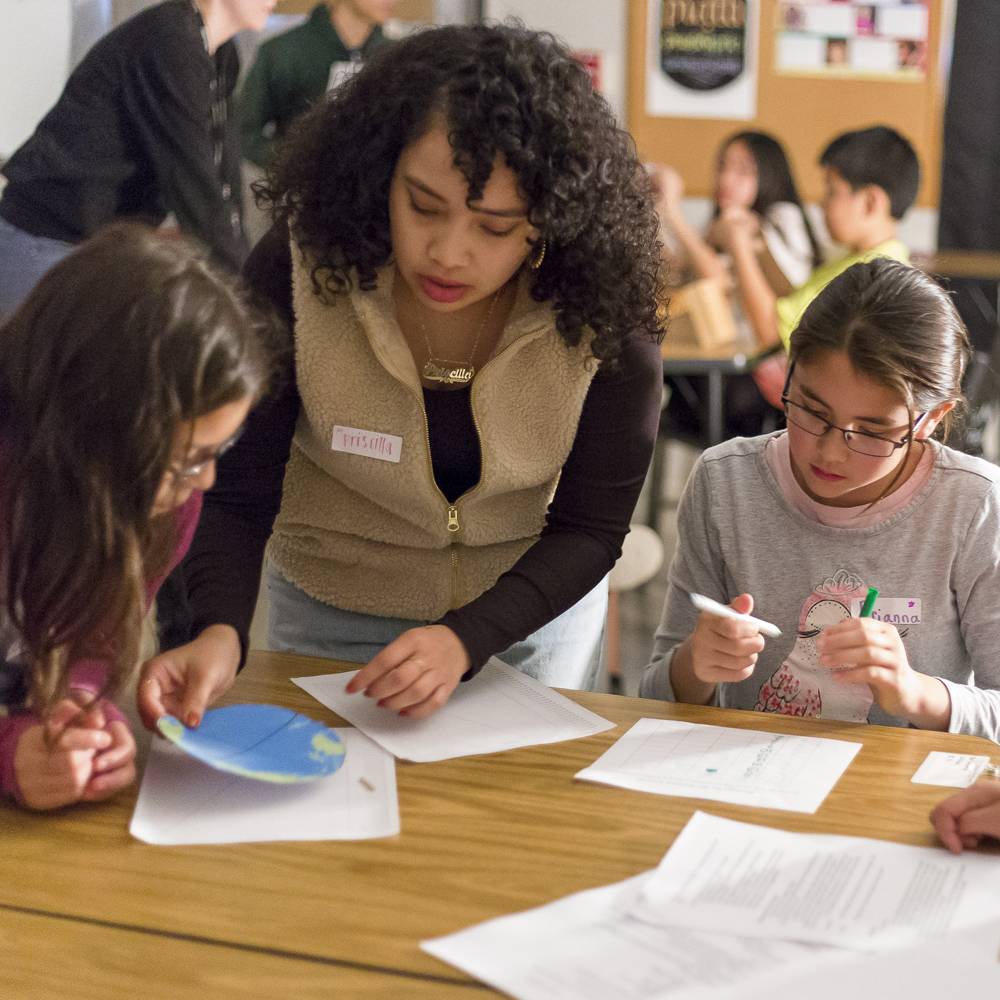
(866, 608)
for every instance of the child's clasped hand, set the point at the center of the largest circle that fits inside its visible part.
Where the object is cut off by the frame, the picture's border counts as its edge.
(84, 752)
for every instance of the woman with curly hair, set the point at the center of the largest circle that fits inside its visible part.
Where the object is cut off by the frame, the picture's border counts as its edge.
(465, 250)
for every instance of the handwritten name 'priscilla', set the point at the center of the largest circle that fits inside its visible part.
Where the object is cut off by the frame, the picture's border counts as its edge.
(371, 444)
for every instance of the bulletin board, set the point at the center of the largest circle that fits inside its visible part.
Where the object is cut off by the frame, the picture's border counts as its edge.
(804, 113)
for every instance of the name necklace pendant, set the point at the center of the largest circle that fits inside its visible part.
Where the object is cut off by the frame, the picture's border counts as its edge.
(453, 372)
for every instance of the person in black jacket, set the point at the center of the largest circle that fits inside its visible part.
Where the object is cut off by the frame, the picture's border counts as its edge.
(143, 129)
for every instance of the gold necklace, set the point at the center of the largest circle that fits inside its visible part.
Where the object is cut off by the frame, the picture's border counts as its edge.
(453, 372)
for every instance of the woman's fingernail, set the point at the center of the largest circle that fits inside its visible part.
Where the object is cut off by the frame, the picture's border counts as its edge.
(192, 720)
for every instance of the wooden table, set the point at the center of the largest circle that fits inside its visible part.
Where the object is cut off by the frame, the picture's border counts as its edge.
(481, 837)
(714, 363)
(981, 264)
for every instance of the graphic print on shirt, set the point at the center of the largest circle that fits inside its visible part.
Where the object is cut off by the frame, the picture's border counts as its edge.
(800, 686)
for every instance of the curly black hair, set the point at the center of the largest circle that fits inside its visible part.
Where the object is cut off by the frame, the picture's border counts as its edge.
(503, 90)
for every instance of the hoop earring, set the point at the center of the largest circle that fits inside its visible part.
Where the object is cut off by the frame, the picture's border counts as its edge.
(536, 263)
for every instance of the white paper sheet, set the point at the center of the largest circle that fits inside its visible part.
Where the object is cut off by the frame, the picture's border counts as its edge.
(588, 947)
(954, 770)
(184, 801)
(739, 878)
(960, 965)
(499, 709)
(726, 765)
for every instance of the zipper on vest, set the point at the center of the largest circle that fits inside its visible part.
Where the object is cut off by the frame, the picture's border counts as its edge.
(453, 531)
(453, 524)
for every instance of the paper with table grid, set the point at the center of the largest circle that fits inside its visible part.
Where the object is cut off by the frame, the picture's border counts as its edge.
(499, 709)
(741, 766)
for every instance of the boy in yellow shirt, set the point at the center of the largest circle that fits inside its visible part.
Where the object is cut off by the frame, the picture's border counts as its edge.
(870, 179)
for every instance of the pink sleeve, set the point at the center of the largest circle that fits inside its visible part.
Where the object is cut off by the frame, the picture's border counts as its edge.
(87, 675)
(12, 727)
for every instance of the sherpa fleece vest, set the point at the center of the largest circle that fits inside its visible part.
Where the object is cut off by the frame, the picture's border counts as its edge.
(369, 534)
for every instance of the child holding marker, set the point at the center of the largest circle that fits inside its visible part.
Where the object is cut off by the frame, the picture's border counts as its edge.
(855, 494)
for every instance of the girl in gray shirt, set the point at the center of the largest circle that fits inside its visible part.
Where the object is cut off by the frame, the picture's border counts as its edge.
(855, 494)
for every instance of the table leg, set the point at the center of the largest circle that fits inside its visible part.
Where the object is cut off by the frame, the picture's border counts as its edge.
(714, 406)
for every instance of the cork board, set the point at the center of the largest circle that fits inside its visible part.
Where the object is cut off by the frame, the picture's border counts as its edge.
(803, 113)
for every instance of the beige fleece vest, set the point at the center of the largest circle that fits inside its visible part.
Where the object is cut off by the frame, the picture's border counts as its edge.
(377, 536)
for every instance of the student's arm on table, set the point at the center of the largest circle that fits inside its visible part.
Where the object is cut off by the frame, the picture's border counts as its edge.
(223, 565)
(963, 820)
(758, 299)
(587, 521)
(668, 187)
(84, 752)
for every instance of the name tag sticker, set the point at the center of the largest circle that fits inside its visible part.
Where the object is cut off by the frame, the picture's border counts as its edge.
(895, 610)
(370, 444)
(956, 770)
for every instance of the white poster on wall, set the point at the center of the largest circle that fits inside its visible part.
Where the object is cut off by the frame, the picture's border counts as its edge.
(701, 58)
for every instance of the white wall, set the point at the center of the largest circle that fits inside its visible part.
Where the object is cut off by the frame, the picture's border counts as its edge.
(34, 63)
(598, 25)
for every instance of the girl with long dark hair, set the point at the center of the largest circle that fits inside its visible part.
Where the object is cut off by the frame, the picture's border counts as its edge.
(123, 376)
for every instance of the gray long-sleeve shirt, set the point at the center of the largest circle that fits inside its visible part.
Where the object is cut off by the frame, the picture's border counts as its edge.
(936, 564)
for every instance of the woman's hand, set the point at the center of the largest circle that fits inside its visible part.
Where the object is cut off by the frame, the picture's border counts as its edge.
(75, 757)
(867, 651)
(415, 674)
(183, 682)
(963, 820)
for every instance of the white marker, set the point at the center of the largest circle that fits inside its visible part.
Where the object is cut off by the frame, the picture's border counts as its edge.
(703, 603)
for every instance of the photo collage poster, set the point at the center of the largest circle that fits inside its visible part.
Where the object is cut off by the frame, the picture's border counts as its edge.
(884, 39)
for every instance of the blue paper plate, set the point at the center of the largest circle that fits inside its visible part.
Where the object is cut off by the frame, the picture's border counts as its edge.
(260, 741)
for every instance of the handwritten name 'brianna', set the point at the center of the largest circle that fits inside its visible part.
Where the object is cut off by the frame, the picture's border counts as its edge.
(896, 619)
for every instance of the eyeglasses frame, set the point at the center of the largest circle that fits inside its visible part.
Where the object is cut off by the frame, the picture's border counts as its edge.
(896, 445)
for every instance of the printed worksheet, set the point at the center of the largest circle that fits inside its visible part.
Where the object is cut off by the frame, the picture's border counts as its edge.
(185, 801)
(741, 766)
(588, 947)
(740, 878)
(499, 709)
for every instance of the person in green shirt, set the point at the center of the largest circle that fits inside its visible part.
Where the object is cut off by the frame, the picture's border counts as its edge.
(871, 178)
(294, 69)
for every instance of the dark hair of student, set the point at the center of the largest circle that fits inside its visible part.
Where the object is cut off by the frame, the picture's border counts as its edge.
(774, 179)
(897, 327)
(503, 91)
(116, 347)
(878, 155)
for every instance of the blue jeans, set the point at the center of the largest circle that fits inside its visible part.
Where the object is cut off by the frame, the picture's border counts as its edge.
(565, 653)
(23, 260)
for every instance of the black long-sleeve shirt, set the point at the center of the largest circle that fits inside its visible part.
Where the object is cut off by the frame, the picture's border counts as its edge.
(585, 525)
(143, 127)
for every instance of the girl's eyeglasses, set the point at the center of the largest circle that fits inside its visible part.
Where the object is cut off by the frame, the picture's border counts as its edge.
(860, 442)
(182, 473)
